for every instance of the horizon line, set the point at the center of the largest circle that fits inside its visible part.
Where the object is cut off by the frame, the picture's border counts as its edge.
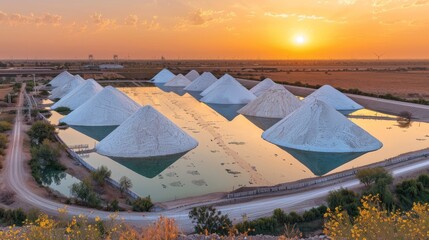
(214, 59)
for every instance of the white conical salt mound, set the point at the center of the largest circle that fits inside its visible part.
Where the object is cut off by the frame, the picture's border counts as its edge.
(217, 83)
(334, 98)
(263, 86)
(163, 76)
(229, 91)
(61, 79)
(79, 95)
(192, 75)
(147, 133)
(60, 92)
(110, 107)
(318, 127)
(274, 103)
(178, 81)
(202, 82)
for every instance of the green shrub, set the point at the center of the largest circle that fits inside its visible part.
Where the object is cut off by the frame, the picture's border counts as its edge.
(5, 126)
(3, 141)
(84, 192)
(12, 217)
(346, 199)
(63, 110)
(424, 179)
(100, 175)
(142, 204)
(208, 219)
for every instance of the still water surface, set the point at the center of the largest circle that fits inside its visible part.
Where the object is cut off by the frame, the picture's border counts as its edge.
(231, 152)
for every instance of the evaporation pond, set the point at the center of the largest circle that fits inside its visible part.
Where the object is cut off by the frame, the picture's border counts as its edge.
(231, 153)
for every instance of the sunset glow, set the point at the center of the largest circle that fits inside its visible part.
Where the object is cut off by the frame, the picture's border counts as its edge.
(300, 40)
(214, 29)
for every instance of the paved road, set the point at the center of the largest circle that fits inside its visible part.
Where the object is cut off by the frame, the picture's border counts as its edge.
(14, 172)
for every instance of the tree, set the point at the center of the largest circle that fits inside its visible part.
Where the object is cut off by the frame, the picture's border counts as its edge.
(40, 131)
(100, 175)
(85, 194)
(125, 184)
(46, 154)
(208, 220)
(370, 175)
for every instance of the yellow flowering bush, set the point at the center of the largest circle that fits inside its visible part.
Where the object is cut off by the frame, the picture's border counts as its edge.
(375, 222)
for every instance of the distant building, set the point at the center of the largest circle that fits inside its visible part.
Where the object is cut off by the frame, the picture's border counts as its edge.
(110, 66)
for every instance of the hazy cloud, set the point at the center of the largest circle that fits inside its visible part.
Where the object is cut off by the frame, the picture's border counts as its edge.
(203, 18)
(132, 20)
(347, 2)
(302, 17)
(16, 19)
(102, 22)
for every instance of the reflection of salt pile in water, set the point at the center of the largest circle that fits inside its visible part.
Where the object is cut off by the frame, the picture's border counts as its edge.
(274, 103)
(110, 107)
(192, 75)
(61, 79)
(316, 126)
(178, 81)
(334, 98)
(149, 167)
(79, 95)
(320, 163)
(146, 133)
(263, 86)
(202, 82)
(163, 76)
(227, 91)
(61, 91)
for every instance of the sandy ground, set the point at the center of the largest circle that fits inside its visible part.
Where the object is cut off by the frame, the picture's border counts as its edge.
(402, 84)
(4, 90)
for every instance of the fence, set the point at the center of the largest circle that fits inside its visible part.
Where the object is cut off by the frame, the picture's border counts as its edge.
(332, 178)
(76, 157)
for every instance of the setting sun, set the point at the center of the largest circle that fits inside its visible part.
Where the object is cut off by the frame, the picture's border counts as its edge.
(300, 40)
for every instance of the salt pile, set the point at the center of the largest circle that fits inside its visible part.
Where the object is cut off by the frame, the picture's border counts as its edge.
(61, 91)
(228, 91)
(110, 107)
(79, 95)
(263, 86)
(318, 127)
(163, 76)
(333, 97)
(192, 75)
(202, 82)
(61, 79)
(274, 103)
(215, 84)
(178, 81)
(147, 133)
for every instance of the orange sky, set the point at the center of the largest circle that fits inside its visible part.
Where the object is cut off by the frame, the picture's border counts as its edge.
(195, 29)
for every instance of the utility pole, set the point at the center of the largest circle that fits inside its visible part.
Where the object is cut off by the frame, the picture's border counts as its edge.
(34, 82)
